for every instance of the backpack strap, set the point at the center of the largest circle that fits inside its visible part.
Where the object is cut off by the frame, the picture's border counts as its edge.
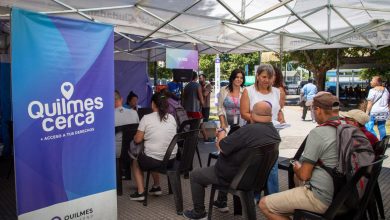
(300, 149)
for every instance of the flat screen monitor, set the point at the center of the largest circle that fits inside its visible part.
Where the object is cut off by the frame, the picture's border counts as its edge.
(181, 59)
(182, 75)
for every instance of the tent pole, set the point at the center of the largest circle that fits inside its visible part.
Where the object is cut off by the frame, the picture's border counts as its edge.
(329, 19)
(337, 74)
(281, 57)
(259, 58)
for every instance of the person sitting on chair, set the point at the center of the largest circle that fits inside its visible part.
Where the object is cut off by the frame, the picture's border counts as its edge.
(233, 151)
(156, 130)
(123, 116)
(317, 192)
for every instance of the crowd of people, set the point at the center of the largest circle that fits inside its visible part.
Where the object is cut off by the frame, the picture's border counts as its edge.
(248, 116)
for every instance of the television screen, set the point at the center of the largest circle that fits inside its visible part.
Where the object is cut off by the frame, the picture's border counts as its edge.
(181, 59)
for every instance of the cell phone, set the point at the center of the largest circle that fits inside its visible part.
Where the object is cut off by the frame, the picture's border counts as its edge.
(292, 162)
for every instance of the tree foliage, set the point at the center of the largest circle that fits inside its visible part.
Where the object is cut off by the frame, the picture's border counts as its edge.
(317, 61)
(229, 62)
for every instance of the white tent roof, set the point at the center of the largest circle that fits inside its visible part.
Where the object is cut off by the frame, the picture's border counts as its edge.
(230, 26)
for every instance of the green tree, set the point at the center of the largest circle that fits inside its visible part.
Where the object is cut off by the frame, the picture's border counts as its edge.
(382, 62)
(162, 72)
(229, 62)
(318, 62)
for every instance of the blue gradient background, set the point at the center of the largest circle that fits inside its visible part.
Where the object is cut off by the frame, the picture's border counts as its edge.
(173, 62)
(47, 51)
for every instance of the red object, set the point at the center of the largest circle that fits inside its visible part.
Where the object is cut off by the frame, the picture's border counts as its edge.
(195, 115)
(158, 88)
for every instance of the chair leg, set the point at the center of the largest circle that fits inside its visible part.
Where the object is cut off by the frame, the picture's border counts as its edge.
(291, 183)
(237, 207)
(174, 178)
(119, 190)
(372, 209)
(145, 203)
(169, 186)
(248, 204)
(197, 152)
(379, 201)
(209, 160)
(212, 194)
(11, 168)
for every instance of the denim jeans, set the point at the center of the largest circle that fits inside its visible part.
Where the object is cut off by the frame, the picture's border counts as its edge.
(272, 182)
(381, 127)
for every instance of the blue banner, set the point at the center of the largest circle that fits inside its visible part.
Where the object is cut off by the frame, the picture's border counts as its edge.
(63, 111)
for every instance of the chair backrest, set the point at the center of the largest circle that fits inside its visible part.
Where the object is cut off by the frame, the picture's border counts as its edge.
(170, 149)
(254, 172)
(128, 133)
(190, 142)
(190, 124)
(371, 172)
(381, 146)
(143, 111)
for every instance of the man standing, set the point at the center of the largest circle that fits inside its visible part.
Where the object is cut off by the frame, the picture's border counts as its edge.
(233, 151)
(316, 194)
(193, 100)
(309, 91)
(175, 87)
(206, 92)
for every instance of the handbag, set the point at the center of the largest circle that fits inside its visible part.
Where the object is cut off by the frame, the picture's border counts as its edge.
(136, 149)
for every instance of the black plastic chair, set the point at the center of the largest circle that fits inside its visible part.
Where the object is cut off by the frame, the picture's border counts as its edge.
(123, 162)
(215, 154)
(285, 164)
(187, 125)
(252, 176)
(380, 149)
(190, 139)
(337, 209)
(143, 111)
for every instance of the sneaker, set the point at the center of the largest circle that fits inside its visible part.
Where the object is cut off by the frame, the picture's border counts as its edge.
(137, 196)
(191, 214)
(155, 191)
(221, 206)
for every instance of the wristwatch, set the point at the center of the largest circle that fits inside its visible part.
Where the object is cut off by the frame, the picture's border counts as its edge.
(221, 129)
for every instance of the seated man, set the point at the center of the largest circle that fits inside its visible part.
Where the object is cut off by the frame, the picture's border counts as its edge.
(123, 116)
(233, 150)
(317, 192)
(359, 118)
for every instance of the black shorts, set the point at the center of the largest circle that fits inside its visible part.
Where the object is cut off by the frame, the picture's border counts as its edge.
(149, 163)
(206, 114)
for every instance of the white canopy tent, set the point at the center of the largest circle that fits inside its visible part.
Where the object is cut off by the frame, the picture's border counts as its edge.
(145, 28)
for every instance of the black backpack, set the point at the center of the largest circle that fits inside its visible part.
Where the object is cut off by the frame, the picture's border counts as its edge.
(354, 151)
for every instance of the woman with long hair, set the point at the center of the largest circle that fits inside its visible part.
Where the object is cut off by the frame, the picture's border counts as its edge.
(377, 107)
(156, 130)
(262, 90)
(229, 100)
(229, 116)
(279, 83)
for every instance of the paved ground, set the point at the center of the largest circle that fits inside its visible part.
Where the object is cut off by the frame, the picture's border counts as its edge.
(163, 207)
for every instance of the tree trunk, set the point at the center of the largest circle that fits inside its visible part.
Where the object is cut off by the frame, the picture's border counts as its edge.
(320, 80)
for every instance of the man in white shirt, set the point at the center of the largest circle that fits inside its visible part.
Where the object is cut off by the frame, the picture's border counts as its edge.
(123, 116)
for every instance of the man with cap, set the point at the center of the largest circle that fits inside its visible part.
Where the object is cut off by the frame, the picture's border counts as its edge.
(359, 118)
(233, 152)
(316, 193)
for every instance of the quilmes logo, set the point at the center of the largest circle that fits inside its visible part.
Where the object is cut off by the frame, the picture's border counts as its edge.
(64, 112)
